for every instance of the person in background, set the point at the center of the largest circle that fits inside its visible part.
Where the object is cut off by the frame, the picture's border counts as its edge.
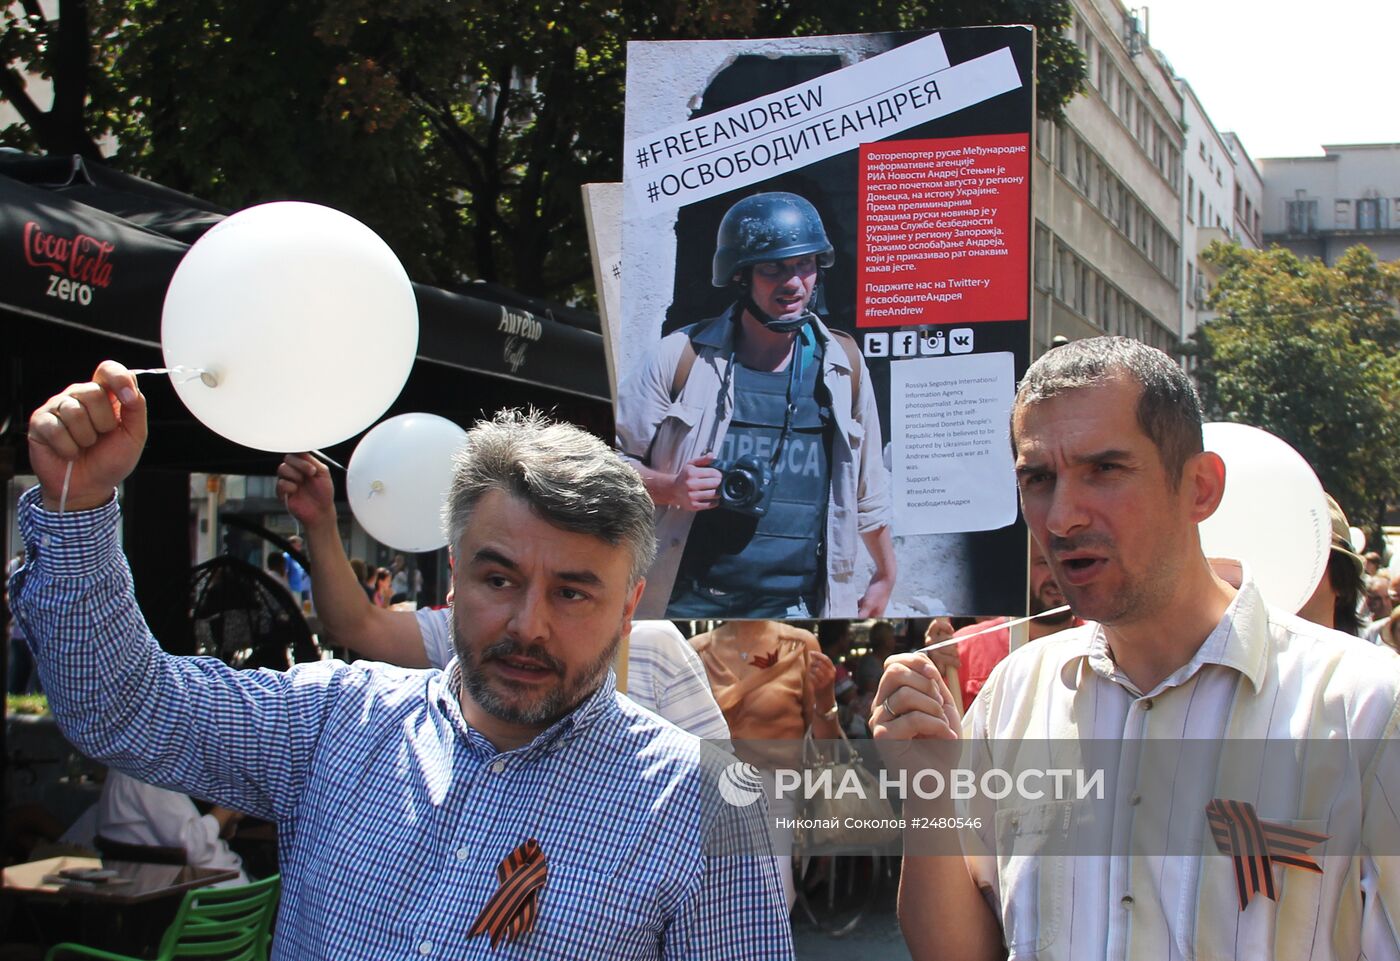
(1338, 596)
(398, 586)
(357, 567)
(834, 636)
(133, 812)
(986, 644)
(276, 565)
(1378, 601)
(297, 580)
(773, 684)
(383, 587)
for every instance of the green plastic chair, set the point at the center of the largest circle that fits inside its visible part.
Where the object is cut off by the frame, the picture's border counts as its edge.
(231, 924)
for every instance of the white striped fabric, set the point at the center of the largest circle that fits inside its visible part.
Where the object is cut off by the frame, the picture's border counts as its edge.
(1260, 675)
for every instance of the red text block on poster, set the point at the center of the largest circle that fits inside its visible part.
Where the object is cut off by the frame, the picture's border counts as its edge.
(944, 231)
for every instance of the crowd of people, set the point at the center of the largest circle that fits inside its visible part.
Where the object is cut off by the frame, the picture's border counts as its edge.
(508, 794)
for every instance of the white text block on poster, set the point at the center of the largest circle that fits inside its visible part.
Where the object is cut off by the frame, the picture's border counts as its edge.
(952, 455)
(867, 101)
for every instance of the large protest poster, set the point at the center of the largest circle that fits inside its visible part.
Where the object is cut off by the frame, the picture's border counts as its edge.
(876, 187)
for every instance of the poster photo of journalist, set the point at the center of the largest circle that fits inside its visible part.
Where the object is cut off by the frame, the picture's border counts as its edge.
(746, 397)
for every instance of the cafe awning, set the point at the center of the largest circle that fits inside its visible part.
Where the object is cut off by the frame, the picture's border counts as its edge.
(87, 253)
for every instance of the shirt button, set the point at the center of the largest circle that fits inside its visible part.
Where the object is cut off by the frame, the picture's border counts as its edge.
(1127, 901)
(1147, 704)
(463, 854)
(1135, 800)
(498, 767)
(425, 948)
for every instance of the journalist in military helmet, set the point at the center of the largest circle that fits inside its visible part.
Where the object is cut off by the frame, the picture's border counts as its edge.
(757, 435)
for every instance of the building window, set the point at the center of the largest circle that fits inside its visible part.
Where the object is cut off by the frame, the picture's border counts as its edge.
(1081, 166)
(1042, 256)
(1342, 214)
(1368, 213)
(1190, 192)
(1301, 216)
(1045, 138)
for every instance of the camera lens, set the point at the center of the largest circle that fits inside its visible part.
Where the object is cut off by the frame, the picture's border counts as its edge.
(738, 486)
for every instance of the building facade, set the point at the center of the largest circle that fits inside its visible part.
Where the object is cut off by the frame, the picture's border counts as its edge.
(1207, 205)
(1321, 206)
(1107, 194)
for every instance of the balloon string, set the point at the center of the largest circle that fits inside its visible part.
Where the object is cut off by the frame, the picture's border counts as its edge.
(327, 458)
(995, 627)
(286, 502)
(186, 374)
(63, 495)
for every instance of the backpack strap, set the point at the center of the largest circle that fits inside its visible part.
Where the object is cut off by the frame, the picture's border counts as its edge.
(687, 361)
(848, 344)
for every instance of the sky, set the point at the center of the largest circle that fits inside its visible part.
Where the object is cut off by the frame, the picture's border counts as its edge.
(1287, 76)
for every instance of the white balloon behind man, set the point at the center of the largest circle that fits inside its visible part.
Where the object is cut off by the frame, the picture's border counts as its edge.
(1273, 515)
(398, 479)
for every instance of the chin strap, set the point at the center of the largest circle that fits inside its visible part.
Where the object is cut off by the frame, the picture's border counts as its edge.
(773, 323)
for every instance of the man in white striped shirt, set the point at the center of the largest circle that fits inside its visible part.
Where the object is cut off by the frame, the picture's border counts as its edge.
(1114, 481)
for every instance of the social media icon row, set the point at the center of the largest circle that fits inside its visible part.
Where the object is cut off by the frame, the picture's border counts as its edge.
(914, 343)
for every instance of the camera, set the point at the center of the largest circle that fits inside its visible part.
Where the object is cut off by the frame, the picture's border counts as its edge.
(745, 485)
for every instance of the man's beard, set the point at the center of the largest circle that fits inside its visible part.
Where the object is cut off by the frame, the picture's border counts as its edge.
(549, 706)
(1039, 606)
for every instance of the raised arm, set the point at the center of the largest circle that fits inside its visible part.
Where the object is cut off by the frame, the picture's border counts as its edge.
(243, 739)
(344, 608)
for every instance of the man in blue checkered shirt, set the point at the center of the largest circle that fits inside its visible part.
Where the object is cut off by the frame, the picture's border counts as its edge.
(405, 800)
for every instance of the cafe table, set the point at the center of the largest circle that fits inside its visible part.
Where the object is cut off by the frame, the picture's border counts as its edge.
(127, 912)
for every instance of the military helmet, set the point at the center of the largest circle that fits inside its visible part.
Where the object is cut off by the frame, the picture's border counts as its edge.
(767, 227)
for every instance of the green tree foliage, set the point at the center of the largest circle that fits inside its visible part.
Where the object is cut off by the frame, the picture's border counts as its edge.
(1311, 353)
(460, 131)
(84, 97)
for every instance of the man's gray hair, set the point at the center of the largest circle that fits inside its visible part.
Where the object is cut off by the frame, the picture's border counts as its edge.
(568, 477)
(1168, 409)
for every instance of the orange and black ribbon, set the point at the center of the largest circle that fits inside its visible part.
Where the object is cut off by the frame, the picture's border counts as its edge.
(512, 909)
(764, 661)
(1256, 844)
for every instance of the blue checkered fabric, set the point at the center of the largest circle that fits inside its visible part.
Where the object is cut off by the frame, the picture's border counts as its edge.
(392, 812)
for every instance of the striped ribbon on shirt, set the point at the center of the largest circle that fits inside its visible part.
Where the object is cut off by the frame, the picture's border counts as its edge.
(511, 910)
(1255, 844)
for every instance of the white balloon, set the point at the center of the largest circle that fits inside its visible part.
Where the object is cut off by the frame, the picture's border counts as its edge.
(1273, 515)
(398, 478)
(1358, 539)
(304, 320)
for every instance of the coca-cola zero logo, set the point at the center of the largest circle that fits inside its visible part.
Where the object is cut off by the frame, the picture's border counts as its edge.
(78, 263)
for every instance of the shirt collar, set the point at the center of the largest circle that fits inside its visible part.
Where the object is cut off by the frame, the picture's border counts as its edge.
(1240, 641)
(557, 735)
(718, 333)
